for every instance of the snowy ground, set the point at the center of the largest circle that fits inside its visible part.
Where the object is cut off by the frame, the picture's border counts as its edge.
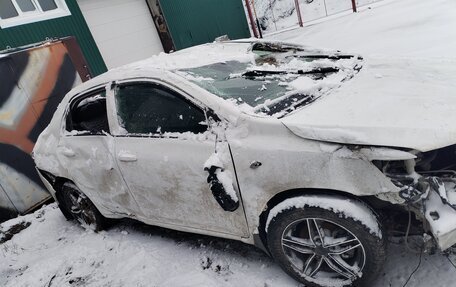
(276, 15)
(400, 28)
(54, 252)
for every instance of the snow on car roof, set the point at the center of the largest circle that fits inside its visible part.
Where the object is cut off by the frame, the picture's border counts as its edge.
(192, 57)
(187, 58)
(197, 56)
(270, 78)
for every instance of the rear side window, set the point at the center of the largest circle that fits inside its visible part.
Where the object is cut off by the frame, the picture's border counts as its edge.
(145, 108)
(88, 114)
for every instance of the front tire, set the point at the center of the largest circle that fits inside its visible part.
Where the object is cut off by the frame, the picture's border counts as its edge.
(81, 208)
(322, 246)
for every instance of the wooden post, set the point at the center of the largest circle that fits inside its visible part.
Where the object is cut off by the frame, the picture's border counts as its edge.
(354, 6)
(298, 11)
(252, 20)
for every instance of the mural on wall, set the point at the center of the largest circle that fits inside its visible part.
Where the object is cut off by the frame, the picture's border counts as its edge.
(33, 82)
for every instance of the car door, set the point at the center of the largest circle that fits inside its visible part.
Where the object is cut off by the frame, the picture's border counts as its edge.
(162, 144)
(85, 149)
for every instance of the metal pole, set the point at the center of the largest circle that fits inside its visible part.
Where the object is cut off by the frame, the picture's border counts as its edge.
(326, 9)
(298, 11)
(256, 19)
(252, 21)
(354, 6)
(273, 17)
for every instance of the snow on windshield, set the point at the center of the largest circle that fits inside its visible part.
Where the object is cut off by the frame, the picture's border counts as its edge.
(278, 80)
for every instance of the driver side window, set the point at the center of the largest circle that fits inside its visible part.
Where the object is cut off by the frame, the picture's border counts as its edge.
(146, 108)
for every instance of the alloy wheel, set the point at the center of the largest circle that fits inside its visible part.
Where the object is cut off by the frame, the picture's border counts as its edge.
(80, 208)
(323, 252)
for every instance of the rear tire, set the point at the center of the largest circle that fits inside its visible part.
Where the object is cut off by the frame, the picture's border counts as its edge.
(350, 254)
(81, 208)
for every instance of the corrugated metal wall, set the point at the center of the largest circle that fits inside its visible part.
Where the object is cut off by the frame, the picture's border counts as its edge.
(73, 25)
(193, 22)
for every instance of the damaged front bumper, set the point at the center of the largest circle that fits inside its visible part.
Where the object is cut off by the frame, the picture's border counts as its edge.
(432, 196)
(440, 209)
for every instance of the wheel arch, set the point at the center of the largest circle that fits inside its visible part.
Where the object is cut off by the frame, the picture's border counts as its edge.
(57, 183)
(261, 240)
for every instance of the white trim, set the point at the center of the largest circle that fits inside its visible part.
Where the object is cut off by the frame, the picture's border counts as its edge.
(35, 16)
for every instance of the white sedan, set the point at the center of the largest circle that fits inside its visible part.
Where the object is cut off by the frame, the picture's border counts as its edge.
(305, 153)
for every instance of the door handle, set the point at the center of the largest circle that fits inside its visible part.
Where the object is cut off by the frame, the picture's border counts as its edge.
(68, 152)
(126, 156)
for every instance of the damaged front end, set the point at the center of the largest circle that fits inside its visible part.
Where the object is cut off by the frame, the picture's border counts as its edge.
(428, 187)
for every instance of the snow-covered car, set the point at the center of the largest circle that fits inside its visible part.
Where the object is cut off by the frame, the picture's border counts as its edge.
(308, 154)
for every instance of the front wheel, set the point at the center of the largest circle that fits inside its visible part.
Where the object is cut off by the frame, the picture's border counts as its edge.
(79, 206)
(319, 244)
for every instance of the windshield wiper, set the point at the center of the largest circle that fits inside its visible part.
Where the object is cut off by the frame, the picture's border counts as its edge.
(261, 73)
(275, 47)
(323, 56)
(289, 104)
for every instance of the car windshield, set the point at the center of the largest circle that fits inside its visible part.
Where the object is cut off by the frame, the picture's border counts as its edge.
(278, 81)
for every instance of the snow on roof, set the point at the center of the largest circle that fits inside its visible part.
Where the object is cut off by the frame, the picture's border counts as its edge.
(188, 58)
(195, 57)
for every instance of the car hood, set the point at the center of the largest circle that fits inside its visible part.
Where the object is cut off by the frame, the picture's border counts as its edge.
(391, 102)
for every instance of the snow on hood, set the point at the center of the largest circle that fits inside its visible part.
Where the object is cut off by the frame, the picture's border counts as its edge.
(391, 102)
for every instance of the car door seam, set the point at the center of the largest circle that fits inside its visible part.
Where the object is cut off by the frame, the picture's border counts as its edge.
(240, 191)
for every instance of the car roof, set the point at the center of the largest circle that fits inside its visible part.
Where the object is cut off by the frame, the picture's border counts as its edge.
(197, 56)
(157, 65)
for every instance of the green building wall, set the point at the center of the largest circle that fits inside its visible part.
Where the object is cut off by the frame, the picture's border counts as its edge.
(194, 22)
(73, 25)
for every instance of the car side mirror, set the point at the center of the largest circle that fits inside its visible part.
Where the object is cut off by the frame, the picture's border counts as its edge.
(219, 191)
(211, 116)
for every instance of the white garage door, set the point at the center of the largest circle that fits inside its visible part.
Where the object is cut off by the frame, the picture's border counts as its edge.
(123, 30)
